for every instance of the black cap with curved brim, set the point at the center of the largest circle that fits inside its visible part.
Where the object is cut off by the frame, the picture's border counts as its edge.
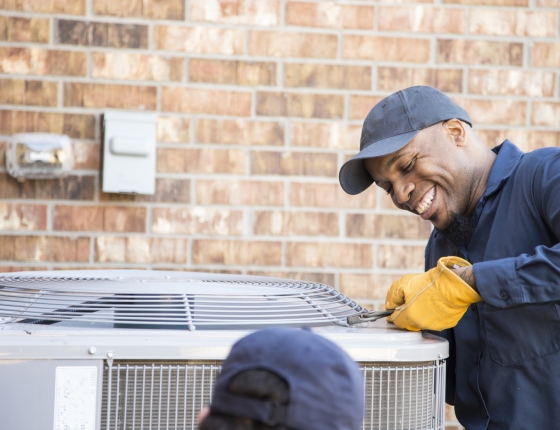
(393, 123)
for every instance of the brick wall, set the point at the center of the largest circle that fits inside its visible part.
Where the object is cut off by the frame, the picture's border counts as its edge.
(259, 103)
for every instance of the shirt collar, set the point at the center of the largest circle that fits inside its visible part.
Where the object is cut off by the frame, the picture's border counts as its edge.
(508, 156)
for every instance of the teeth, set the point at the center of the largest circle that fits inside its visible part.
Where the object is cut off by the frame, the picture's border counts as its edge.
(426, 202)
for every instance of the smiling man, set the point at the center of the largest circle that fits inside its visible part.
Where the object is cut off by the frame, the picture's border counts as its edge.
(495, 249)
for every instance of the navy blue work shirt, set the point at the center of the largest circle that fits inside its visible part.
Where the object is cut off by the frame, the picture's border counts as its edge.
(504, 367)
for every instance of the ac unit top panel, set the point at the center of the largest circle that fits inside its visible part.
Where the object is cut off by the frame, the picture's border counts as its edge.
(377, 341)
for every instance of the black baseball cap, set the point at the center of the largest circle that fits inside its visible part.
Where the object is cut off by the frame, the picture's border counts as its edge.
(393, 123)
(326, 387)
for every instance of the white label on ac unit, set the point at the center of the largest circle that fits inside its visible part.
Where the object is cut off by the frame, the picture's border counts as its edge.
(75, 397)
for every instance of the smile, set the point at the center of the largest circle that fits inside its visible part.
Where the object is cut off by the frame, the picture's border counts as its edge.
(426, 201)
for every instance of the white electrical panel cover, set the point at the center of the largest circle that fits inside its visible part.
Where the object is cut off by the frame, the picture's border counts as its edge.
(129, 152)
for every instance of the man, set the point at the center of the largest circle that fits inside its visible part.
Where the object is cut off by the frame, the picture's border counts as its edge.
(286, 379)
(494, 250)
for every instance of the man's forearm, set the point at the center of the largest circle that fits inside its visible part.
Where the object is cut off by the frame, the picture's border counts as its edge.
(467, 275)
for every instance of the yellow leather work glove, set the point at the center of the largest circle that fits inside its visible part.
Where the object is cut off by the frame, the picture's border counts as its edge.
(434, 300)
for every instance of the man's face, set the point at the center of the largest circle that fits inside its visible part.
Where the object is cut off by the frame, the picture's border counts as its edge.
(427, 177)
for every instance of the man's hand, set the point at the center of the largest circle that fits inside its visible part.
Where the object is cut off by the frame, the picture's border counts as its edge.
(434, 300)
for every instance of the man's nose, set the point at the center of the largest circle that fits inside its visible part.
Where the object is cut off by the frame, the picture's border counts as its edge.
(402, 193)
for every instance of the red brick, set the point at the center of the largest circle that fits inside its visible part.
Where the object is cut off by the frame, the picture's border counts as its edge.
(333, 135)
(168, 190)
(138, 249)
(281, 223)
(44, 248)
(22, 217)
(294, 163)
(526, 140)
(74, 7)
(330, 15)
(198, 100)
(548, 3)
(546, 113)
(461, 51)
(230, 252)
(104, 34)
(506, 111)
(545, 54)
(371, 286)
(378, 48)
(100, 218)
(327, 76)
(67, 188)
(86, 155)
(126, 65)
(232, 72)
(179, 160)
(197, 221)
(235, 192)
(401, 257)
(28, 92)
(522, 3)
(21, 268)
(303, 105)
(261, 12)
(396, 78)
(173, 129)
(240, 132)
(311, 254)
(204, 40)
(292, 44)
(361, 105)
(328, 196)
(110, 96)
(387, 226)
(16, 29)
(154, 9)
(38, 61)
(511, 82)
(422, 19)
(74, 125)
(504, 22)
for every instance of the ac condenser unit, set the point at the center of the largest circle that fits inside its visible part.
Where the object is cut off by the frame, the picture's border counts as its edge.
(135, 350)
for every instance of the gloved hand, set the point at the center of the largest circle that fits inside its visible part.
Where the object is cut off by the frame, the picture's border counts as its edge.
(434, 300)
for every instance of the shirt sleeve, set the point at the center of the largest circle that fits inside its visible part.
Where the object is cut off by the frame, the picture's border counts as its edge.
(529, 278)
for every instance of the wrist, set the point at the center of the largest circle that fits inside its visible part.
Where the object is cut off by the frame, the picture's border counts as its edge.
(467, 276)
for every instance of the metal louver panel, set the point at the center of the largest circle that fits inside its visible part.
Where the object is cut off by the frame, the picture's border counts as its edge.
(169, 395)
(152, 301)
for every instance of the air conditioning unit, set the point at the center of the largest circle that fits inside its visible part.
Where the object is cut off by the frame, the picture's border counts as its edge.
(134, 350)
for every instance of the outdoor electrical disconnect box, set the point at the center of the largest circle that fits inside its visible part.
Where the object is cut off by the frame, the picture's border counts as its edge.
(129, 152)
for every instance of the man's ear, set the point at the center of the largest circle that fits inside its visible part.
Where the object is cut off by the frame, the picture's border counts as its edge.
(456, 131)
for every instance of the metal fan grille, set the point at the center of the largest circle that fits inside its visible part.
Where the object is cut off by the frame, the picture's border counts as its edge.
(169, 395)
(170, 303)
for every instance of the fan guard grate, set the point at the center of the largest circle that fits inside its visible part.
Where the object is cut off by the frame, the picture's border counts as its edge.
(177, 301)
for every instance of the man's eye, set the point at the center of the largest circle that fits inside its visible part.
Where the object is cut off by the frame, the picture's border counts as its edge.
(409, 166)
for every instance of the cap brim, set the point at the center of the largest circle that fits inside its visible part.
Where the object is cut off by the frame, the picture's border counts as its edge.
(353, 176)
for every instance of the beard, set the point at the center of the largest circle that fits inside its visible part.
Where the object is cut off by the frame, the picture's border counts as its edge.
(459, 229)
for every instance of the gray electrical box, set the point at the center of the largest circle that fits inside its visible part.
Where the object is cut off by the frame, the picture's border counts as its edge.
(129, 152)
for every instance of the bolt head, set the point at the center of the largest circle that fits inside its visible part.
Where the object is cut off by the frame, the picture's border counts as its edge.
(92, 350)
(110, 354)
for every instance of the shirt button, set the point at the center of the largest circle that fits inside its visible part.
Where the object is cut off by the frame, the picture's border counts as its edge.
(473, 308)
(504, 295)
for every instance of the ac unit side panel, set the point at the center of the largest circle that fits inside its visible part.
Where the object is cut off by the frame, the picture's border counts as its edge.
(50, 394)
